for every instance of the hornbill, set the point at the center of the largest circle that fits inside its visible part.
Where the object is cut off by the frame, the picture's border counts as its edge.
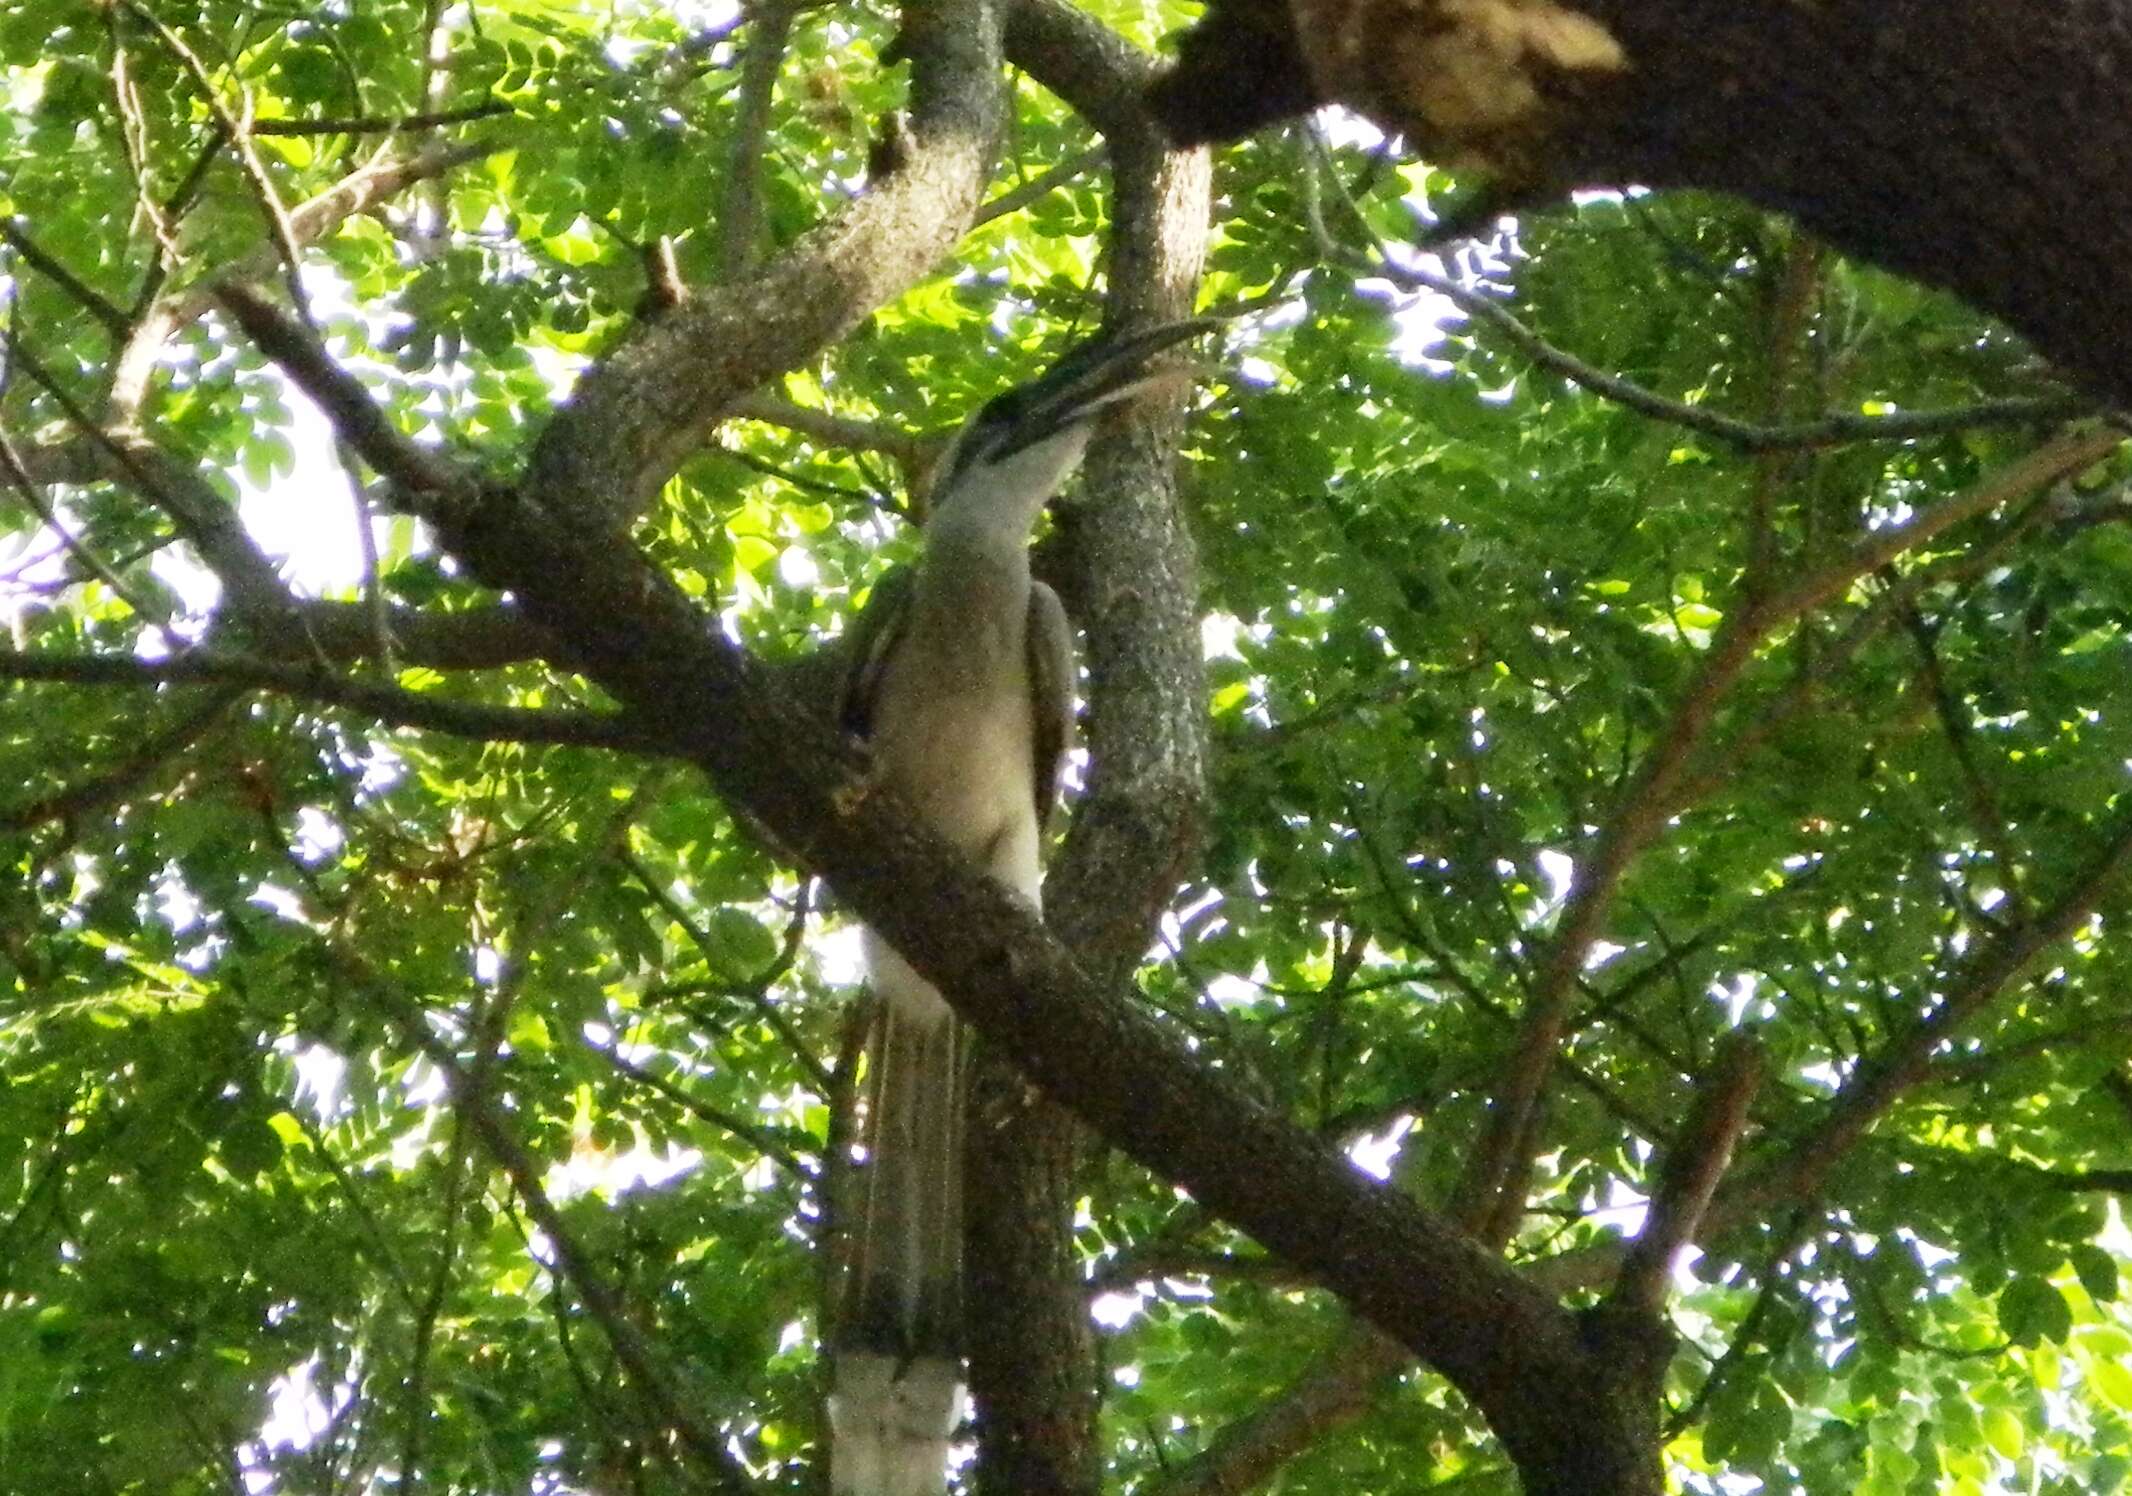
(962, 688)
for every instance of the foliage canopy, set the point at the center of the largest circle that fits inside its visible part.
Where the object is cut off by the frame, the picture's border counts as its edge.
(1518, 695)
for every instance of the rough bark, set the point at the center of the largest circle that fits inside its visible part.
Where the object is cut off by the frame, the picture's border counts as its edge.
(1975, 145)
(1128, 566)
(651, 405)
(555, 543)
(1461, 1309)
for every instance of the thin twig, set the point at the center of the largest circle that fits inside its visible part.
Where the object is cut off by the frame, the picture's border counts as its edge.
(298, 352)
(758, 1138)
(1041, 186)
(133, 134)
(1875, 1085)
(755, 989)
(81, 550)
(907, 447)
(574, 1265)
(1748, 436)
(238, 128)
(432, 1305)
(71, 801)
(113, 317)
(1490, 1191)
(381, 125)
(375, 606)
(1983, 800)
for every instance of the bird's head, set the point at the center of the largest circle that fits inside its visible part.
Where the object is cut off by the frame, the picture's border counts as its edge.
(1016, 450)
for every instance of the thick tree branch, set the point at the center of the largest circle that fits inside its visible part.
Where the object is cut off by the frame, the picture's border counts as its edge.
(1879, 124)
(1100, 74)
(482, 638)
(1135, 1081)
(1129, 576)
(651, 404)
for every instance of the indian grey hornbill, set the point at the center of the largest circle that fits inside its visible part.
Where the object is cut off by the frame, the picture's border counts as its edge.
(962, 687)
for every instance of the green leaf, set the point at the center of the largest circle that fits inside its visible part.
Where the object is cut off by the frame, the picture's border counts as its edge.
(2031, 1310)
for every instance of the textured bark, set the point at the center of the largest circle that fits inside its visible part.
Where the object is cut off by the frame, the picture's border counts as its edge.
(651, 404)
(1127, 564)
(1397, 1263)
(556, 543)
(1973, 144)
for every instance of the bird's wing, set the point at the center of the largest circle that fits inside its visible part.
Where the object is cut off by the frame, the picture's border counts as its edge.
(874, 635)
(1050, 647)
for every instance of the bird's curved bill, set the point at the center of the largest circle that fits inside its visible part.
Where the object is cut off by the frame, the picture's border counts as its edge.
(1100, 373)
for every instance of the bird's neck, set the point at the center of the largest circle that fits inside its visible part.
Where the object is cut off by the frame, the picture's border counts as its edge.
(973, 581)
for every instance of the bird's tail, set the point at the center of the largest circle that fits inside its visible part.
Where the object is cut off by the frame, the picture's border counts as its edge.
(896, 1335)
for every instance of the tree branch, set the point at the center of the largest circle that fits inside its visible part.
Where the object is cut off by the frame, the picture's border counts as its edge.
(299, 353)
(363, 189)
(387, 704)
(600, 1298)
(382, 124)
(237, 131)
(1746, 436)
(100, 789)
(479, 638)
(761, 1139)
(1491, 1193)
(1100, 75)
(17, 238)
(124, 456)
(1877, 1084)
(1397, 1263)
(1338, 1386)
(1853, 130)
(1693, 1168)
(912, 451)
(1955, 727)
(1038, 187)
(79, 548)
(643, 410)
(740, 223)
(1129, 577)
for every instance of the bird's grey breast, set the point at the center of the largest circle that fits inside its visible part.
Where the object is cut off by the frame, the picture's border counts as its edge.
(954, 729)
